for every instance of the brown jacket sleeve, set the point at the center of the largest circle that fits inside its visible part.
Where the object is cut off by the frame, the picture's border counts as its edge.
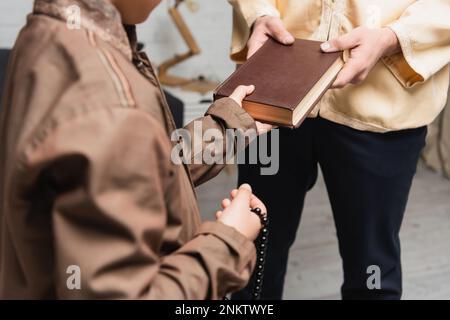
(110, 219)
(222, 115)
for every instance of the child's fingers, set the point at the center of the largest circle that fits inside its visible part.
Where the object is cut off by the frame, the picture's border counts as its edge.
(243, 196)
(219, 214)
(256, 203)
(233, 193)
(225, 203)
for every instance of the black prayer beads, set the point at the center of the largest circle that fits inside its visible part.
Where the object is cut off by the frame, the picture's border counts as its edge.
(261, 245)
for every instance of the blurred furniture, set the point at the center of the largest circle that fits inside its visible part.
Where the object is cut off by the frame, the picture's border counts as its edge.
(4, 55)
(177, 108)
(200, 84)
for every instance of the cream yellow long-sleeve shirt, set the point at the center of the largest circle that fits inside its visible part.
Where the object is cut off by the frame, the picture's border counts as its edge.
(406, 90)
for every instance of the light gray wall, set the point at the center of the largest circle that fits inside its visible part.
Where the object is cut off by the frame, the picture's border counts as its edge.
(12, 17)
(211, 26)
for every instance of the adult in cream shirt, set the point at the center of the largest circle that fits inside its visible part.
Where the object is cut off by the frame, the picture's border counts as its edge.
(366, 134)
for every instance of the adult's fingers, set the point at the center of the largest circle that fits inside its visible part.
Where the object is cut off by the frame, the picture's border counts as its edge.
(345, 42)
(347, 74)
(277, 30)
(255, 42)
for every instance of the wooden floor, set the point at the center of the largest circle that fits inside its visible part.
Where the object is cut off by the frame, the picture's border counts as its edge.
(315, 267)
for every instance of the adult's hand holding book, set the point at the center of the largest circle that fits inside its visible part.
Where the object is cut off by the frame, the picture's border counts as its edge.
(264, 28)
(365, 45)
(291, 77)
(289, 81)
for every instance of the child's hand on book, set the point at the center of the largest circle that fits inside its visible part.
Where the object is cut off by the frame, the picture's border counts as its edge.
(265, 27)
(241, 92)
(239, 95)
(236, 212)
(367, 46)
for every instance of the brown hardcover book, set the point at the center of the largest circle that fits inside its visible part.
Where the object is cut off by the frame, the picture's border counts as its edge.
(289, 81)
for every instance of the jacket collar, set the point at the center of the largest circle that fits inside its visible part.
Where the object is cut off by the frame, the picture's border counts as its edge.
(97, 16)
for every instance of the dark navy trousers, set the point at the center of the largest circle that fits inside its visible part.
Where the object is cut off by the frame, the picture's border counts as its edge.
(368, 178)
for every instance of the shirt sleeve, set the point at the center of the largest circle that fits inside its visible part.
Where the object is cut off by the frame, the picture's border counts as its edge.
(212, 138)
(109, 173)
(253, 9)
(423, 31)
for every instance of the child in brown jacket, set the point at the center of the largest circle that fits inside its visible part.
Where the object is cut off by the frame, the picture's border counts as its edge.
(88, 186)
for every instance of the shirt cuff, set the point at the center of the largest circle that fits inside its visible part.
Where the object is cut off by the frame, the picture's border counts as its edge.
(404, 66)
(251, 16)
(232, 114)
(234, 239)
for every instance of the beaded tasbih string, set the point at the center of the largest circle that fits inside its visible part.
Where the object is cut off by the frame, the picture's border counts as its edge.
(261, 247)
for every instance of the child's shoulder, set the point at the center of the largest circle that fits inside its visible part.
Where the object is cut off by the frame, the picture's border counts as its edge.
(46, 43)
(60, 75)
(63, 60)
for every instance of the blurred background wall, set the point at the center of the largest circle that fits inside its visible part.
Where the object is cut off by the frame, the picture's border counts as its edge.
(12, 17)
(212, 22)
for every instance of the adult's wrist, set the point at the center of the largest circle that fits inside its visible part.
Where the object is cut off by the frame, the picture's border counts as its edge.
(390, 40)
